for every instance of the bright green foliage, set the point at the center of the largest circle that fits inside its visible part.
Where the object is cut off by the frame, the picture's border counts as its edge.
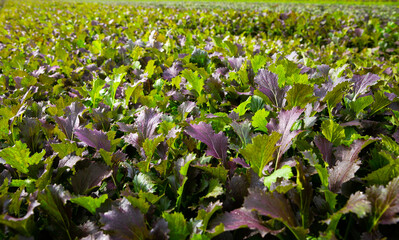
(215, 189)
(335, 96)
(243, 107)
(285, 172)
(196, 82)
(332, 131)
(19, 157)
(260, 151)
(258, 62)
(380, 102)
(177, 224)
(90, 203)
(95, 94)
(361, 103)
(64, 149)
(259, 120)
(299, 96)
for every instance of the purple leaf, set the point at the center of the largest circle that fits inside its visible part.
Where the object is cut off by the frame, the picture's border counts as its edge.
(146, 122)
(347, 164)
(286, 119)
(90, 177)
(125, 127)
(124, 222)
(342, 172)
(271, 204)
(119, 156)
(68, 161)
(241, 162)
(240, 218)
(186, 107)
(71, 121)
(268, 84)
(357, 204)
(94, 138)
(53, 201)
(351, 153)
(325, 148)
(323, 70)
(217, 143)
(173, 71)
(362, 82)
(236, 63)
(160, 230)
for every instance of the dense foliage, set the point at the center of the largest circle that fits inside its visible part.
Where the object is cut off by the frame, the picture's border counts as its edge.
(129, 122)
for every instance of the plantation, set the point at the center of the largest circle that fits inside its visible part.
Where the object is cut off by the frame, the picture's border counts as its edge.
(179, 120)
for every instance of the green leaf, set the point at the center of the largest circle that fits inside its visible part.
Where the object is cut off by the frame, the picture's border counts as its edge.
(206, 214)
(184, 169)
(133, 93)
(176, 82)
(243, 130)
(96, 47)
(107, 156)
(150, 68)
(149, 146)
(16, 201)
(218, 172)
(257, 103)
(195, 82)
(380, 102)
(335, 96)
(139, 203)
(64, 149)
(259, 121)
(18, 157)
(242, 108)
(258, 62)
(215, 189)
(4, 187)
(143, 182)
(231, 47)
(94, 93)
(361, 103)
(284, 172)
(302, 79)
(337, 72)
(389, 144)
(45, 178)
(200, 237)
(90, 203)
(299, 96)
(261, 151)
(113, 86)
(177, 224)
(386, 173)
(332, 131)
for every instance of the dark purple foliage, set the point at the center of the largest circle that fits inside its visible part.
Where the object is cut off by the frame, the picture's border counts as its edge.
(268, 85)
(217, 143)
(286, 119)
(271, 204)
(124, 222)
(240, 218)
(93, 138)
(89, 177)
(362, 82)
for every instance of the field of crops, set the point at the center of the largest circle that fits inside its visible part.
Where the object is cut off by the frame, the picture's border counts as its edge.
(198, 121)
